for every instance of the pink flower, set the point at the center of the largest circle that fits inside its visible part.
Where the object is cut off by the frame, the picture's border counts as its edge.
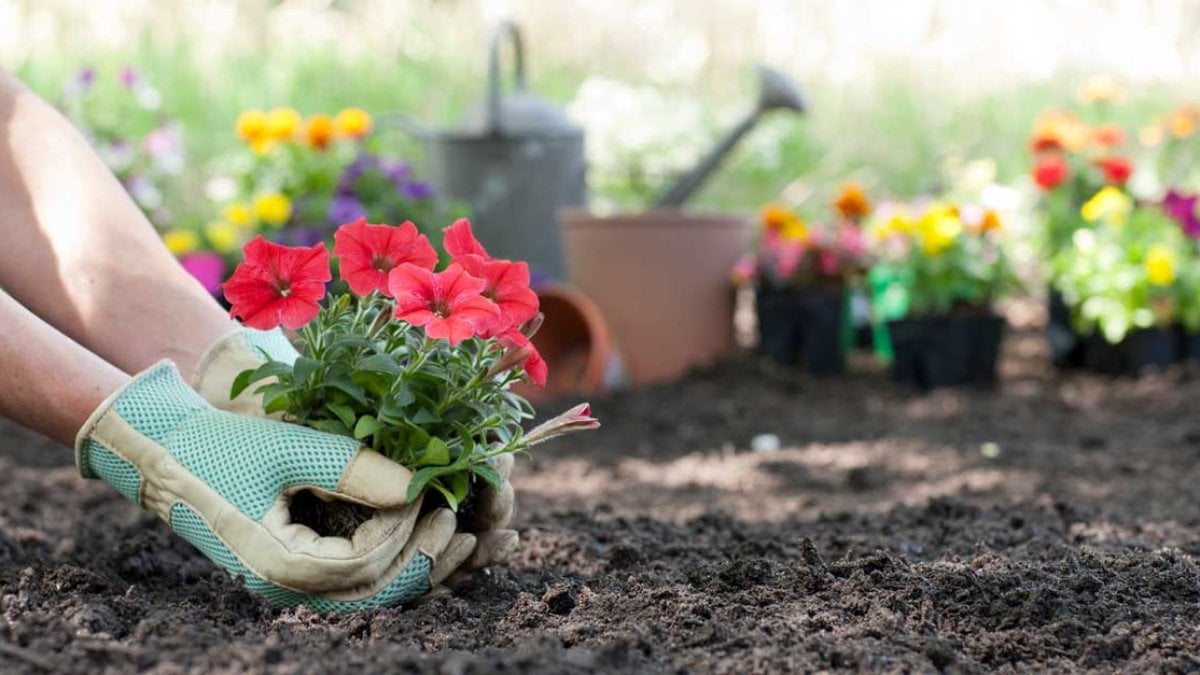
(829, 262)
(448, 303)
(278, 285)
(367, 253)
(207, 267)
(578, 418)
(507, 285)
(460, 240)
(523, 350)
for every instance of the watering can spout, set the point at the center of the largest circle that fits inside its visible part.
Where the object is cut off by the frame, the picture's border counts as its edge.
(775, 92)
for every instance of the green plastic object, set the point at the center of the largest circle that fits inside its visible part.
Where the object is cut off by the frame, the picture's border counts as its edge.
(889, 302)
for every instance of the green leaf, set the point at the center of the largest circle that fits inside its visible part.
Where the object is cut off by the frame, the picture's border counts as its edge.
(330, 426)
(459, 483)
(419, 480)
(344, 384)
(277, 404)
(376, 383)
(451, 499)
(240, 383)
(303, 368)
(425, 416)
(344, 413)
(489, 473)
(366, 426)
(437, 453)
(379, 363)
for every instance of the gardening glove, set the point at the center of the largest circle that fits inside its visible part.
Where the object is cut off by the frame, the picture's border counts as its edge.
(244, 349)
(224, 483)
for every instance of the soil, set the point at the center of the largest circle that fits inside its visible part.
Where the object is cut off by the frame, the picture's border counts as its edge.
(744, 520)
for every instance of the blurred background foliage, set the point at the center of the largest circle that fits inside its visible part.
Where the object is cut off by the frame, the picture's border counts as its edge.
(896, 90)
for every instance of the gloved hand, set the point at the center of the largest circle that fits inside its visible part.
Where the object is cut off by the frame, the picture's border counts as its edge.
(224, 483)
(245, 348)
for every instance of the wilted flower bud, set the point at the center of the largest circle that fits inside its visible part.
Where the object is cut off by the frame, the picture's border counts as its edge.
(578, 418)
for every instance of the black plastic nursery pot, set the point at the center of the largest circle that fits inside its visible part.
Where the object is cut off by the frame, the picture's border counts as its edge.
(1068, 349)
(802, 327)
(1188, 345)
(1142, 349)
(946, 351)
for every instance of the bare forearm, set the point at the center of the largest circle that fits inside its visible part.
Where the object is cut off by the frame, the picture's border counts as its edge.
(80, 254)
(50, 384)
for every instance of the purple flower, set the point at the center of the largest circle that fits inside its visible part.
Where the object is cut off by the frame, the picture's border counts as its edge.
(417, 190)
(129, 77)
(306, 236)
(345, 208)
(397, 172)
(1182, 208)
(86, 77)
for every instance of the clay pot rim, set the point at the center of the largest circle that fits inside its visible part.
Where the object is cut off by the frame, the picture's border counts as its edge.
(659, 217)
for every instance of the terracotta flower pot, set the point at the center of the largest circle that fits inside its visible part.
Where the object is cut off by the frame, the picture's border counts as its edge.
(661, 279)
(575, 342)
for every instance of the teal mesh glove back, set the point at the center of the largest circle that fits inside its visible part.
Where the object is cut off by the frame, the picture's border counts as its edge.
(224, 483)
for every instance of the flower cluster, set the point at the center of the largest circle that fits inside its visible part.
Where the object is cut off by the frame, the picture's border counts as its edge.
(1135, 266)
(793, 253)
(122, 119)
(936, 256)
(414, 360)
(262, 131)
(302, 178)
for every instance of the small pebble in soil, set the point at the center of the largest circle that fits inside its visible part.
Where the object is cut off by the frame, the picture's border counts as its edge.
(765, 443)
(990, 450)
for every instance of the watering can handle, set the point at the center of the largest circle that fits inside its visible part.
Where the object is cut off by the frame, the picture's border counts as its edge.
(506, 29)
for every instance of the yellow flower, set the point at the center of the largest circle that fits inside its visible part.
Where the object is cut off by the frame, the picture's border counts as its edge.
(1160, 265)
(252, 127)
(939, 227)
(224, 236)
(239, 214)
(320, 131)
(273, 209)
(852, 202)
(794, 229)
(1110, 205)
(1099, 89)
(282, 123)
(180, 242)
(251, 124)
(353, 122)
(1182, 121)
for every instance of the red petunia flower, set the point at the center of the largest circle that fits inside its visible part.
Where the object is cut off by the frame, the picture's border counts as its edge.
(448, 303)
(1116, 169)
(368, 252)
(507, 285)
(460, 240)
(278, 285)
(1050, 171)
(534, 365)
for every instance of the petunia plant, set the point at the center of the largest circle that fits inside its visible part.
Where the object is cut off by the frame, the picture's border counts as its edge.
(413, 361)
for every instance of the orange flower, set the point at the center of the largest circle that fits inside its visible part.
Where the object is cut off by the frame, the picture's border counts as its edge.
(320, 131)
(353, 122)
(852, 202)
(1057, 129)
(775, 216)
(252, 126)
(1182, 121)
(990, 222)
(1108, 135)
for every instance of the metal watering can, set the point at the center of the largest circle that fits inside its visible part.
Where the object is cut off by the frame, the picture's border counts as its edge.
(516, 161)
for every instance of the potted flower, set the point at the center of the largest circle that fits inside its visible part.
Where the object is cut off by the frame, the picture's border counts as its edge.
(1126, 282)
(801, 275)
(940, 269)
(415, 363)
(1072, 160)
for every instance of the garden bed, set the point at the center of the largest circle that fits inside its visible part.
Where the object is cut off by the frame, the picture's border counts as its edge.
(1050, 523)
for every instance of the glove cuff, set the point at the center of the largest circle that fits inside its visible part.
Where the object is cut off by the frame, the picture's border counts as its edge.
(242, 349)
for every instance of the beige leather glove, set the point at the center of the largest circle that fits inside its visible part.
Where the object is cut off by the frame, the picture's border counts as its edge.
(247, 348)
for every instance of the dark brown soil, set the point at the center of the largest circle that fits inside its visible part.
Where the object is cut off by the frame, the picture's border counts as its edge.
(1051, 524)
